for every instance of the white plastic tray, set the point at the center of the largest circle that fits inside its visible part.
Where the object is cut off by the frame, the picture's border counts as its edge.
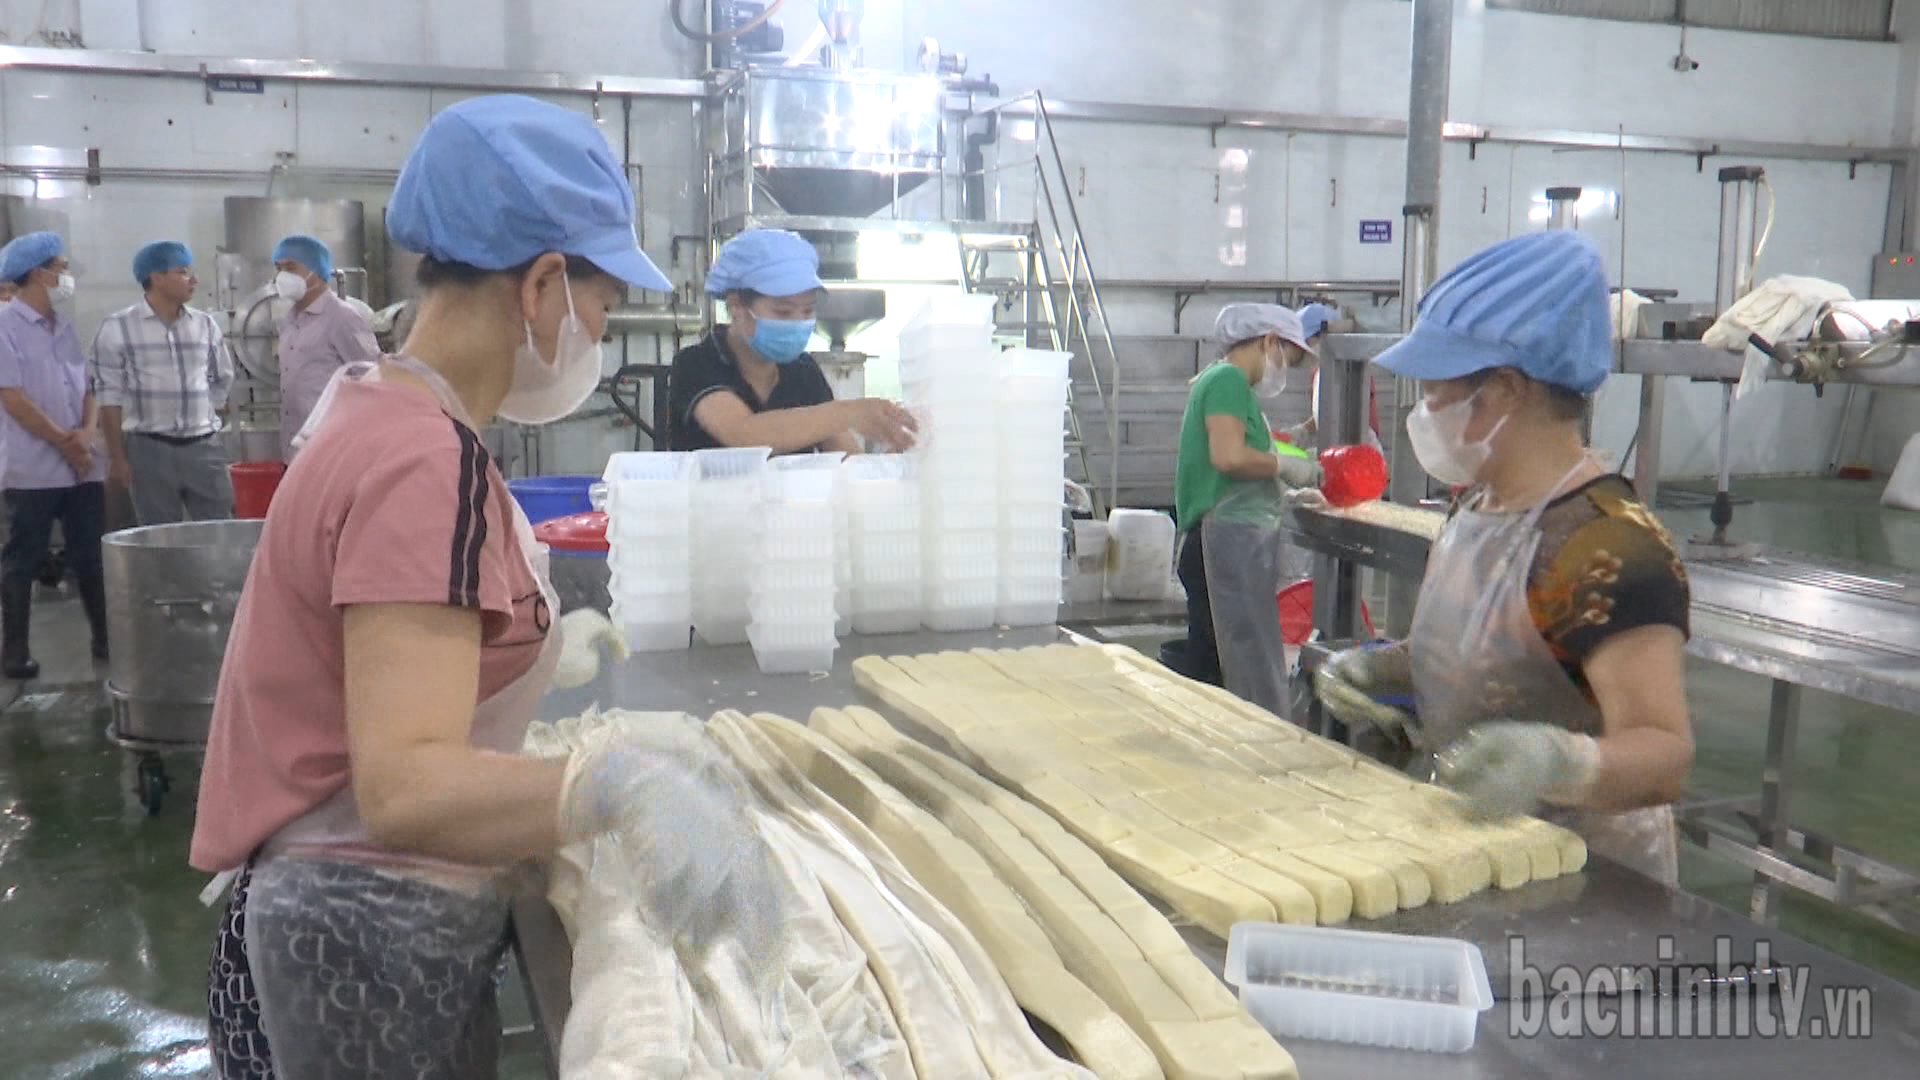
(791, 651)
(1360, 987)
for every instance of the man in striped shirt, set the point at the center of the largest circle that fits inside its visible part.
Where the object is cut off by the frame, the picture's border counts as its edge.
(161, 372)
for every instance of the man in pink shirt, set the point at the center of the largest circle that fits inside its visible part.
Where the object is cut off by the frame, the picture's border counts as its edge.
(318, 337)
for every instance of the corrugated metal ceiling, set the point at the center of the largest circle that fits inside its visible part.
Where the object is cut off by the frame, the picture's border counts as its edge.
(1865, 19)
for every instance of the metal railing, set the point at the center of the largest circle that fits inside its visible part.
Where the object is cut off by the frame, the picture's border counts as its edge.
(1069, 290)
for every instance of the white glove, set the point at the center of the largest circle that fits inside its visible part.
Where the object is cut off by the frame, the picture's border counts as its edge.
(583, 633)
(676, 808)
(1507, 768)
(1298, 472)
(1303, 498)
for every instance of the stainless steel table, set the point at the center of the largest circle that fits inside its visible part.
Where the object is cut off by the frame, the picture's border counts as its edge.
(1603, 917)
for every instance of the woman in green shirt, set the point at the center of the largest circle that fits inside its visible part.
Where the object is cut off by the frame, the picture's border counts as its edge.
(1226, 447)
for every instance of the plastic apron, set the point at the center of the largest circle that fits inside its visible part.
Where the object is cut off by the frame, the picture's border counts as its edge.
(330, 938)
(1242, 544)
(1477, 656)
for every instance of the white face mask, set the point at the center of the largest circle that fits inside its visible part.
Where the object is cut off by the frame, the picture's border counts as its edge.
(1273, 382)
(289, 285)
(543, 392)
(1439, 438)
(63, 291)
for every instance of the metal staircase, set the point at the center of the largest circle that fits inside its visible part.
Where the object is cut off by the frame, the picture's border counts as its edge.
(1050, 299)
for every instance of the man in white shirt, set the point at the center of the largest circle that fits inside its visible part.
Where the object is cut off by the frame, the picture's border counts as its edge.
(162, 371)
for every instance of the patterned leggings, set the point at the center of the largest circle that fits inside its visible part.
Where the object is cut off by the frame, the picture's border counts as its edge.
(324, 969)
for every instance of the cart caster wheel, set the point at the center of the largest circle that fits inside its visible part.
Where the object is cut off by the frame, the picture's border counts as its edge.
(153, 784)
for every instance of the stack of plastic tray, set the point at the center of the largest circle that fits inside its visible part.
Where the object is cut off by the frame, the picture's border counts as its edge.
(727, 503)
(649, 521)
(791, 601)
(881, 495)
(1031, 389)
(947, 372)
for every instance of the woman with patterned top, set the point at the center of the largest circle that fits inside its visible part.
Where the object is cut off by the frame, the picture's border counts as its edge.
(1545, 657)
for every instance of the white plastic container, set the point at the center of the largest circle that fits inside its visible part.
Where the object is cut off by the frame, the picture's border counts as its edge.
(1018, 363)
(798, 607)
(727, 627)
(668, 558)
(648, 483)
(1027, 601)
(1087, 578)
(1360, 987)
(872, 573)
(809, 576)
(903, 620)
(1047, 542)
(646, 636)
(960, 558)
(729, 463)
(1139, 554)
(787, 650)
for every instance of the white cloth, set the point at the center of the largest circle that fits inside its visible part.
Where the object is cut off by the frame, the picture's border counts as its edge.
(1903, 491)
(1626, 305)
(1782, 308)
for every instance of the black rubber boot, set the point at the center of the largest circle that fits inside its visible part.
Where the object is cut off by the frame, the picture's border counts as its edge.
(93, 598)
(16, 613)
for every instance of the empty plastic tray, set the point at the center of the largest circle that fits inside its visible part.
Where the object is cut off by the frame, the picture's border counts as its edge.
(1034, 364)
(781, 650)
(646, 637)
(728, 463)
(1361, 987)
(896, 621)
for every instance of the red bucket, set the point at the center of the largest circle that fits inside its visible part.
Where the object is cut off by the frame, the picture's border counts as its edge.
(254, 483)
(1296, 613)
(1354, 475)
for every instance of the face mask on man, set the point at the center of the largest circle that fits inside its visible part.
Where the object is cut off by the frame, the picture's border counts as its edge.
(781, 341)
(1439, 438)
(289, 285)
(543, 392)
(62, 290)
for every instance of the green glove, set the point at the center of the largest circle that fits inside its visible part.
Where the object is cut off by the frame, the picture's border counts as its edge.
(1350, 683)
(1505, 769)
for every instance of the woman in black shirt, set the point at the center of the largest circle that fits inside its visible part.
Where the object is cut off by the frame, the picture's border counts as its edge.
(750, 382)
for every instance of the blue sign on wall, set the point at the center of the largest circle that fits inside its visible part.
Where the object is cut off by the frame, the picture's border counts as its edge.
(1376, 232)
(236, 84)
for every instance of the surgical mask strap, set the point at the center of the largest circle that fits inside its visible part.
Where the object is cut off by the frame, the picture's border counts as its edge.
(566, 284)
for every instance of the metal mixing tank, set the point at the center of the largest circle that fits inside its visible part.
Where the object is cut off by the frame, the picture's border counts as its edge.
(171, 595)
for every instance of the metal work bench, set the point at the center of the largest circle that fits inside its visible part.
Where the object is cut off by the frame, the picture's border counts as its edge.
(1800, 621)
(1605, 916)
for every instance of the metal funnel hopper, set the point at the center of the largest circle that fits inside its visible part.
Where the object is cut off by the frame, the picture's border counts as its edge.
(842, 313)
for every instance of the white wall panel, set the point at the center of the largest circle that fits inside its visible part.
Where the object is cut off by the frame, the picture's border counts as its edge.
(1334, 184)
(357, 127)
(1158, 202)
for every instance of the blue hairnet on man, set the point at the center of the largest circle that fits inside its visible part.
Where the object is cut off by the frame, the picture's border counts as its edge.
(161, 257)
(54, 461)
(319, 334)
(310, 252)
(751, 382)
(163, 370)
(27, 253)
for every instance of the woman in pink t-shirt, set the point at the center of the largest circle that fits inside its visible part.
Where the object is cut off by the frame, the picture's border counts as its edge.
(363, 782)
